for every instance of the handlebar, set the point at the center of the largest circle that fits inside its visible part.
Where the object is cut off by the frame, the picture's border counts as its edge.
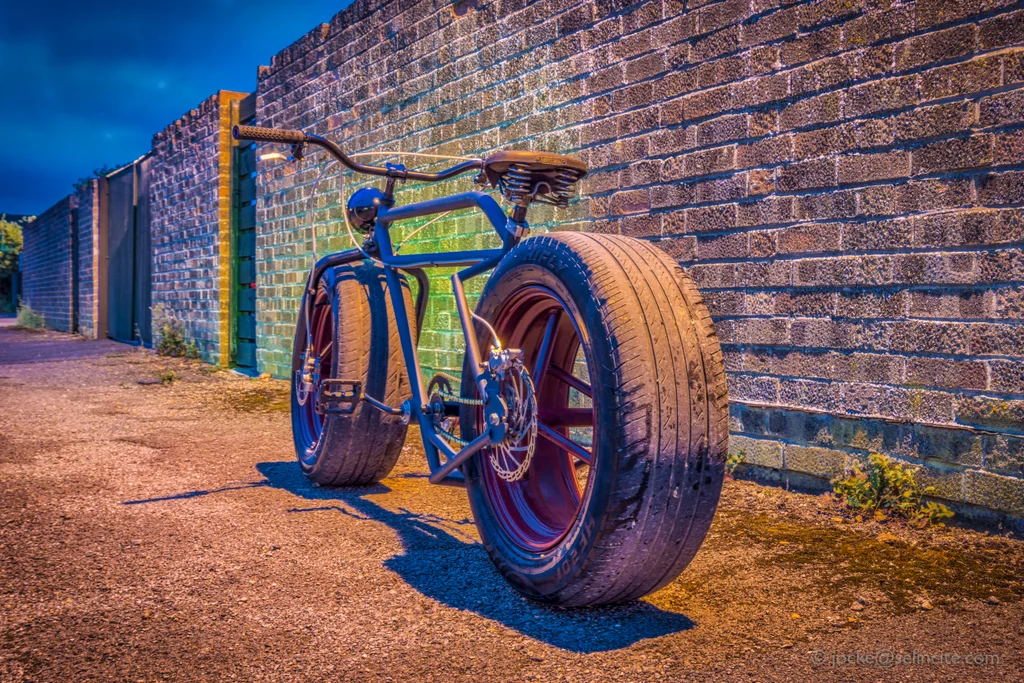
(297, 137)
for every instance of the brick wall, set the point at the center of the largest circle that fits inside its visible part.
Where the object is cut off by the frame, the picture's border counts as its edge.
(88, 221)
(191, 223)
(47, 264)
(843, 180)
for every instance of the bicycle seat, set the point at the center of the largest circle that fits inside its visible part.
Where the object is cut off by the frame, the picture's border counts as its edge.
(524, 176)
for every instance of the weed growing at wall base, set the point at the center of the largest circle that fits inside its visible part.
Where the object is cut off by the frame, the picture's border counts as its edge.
(170, 335)
(29, 319)
(888, 488)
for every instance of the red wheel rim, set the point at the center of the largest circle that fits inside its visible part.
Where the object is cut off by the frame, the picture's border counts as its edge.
(309, 423)
(538, 510)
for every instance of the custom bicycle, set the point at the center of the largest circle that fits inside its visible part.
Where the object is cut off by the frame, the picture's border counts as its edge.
(592, 408)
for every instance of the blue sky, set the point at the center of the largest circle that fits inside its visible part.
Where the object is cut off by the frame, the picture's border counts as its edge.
(84, 84)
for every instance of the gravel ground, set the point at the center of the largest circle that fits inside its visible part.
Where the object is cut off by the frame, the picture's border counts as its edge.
(162, 531)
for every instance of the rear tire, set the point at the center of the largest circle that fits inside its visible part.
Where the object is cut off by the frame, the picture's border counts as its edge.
(659, 420)
(362, 447)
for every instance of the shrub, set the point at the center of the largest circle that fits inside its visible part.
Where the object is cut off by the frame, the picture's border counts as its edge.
(29, 319)
(734, 460)
(170, 335)
(888, 488)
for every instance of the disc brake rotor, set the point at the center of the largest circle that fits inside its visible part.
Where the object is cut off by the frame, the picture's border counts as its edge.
(511, 458)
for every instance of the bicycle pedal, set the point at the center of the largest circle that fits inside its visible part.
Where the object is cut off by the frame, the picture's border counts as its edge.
(338, 396)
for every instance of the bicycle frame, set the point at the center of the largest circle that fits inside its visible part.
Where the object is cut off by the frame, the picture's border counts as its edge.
(474, 263)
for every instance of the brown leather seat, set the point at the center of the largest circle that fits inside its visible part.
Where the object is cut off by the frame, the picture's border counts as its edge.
(499, 162)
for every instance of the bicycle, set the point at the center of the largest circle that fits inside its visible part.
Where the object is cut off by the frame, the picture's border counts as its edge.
(593, 431)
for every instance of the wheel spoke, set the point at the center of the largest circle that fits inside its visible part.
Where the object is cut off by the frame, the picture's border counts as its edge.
(567, 417)
(564, 442)
(572, 380)
(540, 368)
(324, 351)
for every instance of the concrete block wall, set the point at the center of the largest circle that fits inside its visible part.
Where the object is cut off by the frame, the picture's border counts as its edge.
(87, 226)
(47, 283)
(844, 181)
(191, 223)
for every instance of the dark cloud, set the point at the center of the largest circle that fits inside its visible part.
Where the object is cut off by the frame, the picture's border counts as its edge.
(85, 84)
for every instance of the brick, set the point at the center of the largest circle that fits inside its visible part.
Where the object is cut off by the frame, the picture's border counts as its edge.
(977, 75)
(825, 74)
(954, 154)
(1000, 31)
(725, 70)
(711, 161)
(708, 103)
(837, 271)
(938, 121)
(820, 462)
(1008, 303)
(865, 168)
(998, 339)
(934, 269)
(711, 218)
(927, 195)
(948, 374)
(869, 367)
(826, 108)
(994, 491)
(767, 152)
(761, 90)
(724, 189)
(806, 175)
(805, 304)
(770, 28)
(930, 337)
(722, 129)
(679, 248)
(1013, 69)
(1008, 376)
(1001, 188)
(878, 235)
(722, 246)
(934, 12)
(990, 412)
(764, 274)
(933, 47)
(1009, 147)
(880, 304)
(999, 109)
(947, 303)
(878, 26)
(879, 200)
(632, 201)
(822, 11)
(719, 15)
(874, 61)
(823, 141)
(761, 452)
(767, 211)
(964, 228)
(825, 205)
(716, 45)
(891, 93)
(812, 46)
(803, 239)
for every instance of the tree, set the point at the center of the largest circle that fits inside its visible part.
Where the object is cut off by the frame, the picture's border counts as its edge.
(10, 246)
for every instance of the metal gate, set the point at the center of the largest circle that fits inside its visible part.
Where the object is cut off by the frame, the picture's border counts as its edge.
(244, 223)
(129, 255)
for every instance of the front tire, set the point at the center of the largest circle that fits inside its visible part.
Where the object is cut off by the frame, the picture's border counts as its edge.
(354, 332)
(627, 323)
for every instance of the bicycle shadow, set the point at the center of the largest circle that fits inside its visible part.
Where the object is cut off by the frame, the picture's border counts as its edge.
(459, 574)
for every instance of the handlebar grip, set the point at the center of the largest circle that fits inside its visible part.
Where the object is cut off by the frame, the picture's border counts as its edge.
(268, 134)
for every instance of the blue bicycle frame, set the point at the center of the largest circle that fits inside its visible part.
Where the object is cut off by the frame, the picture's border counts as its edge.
(474, 263)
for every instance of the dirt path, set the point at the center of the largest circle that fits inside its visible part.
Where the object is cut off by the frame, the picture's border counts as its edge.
(164, 532)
